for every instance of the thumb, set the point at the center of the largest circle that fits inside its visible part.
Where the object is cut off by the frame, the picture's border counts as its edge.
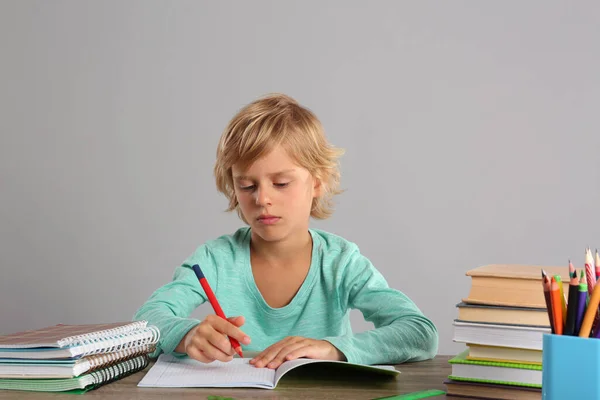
(237, 321)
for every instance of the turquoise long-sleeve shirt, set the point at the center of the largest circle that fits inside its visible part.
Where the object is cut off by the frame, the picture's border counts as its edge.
(339, 279)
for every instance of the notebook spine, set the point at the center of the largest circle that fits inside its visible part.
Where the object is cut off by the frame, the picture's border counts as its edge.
(124, 341)
(98, 361)
(118, 371)
(107, 333)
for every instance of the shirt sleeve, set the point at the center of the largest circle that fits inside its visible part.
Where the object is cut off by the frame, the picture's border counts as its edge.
(170, 306)
(402, 333)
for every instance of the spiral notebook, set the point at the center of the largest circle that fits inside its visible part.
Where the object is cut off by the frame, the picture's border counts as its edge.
(81, 383)
(74, 341)
(16, 368)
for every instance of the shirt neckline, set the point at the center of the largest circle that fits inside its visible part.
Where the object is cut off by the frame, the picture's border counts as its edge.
(300, 295)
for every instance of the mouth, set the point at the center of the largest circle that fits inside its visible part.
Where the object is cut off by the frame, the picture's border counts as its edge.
(268, 219)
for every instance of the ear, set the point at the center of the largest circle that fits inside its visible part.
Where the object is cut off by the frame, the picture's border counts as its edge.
(318, 187)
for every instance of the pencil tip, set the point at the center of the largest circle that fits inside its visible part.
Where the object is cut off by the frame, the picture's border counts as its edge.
(239, 351)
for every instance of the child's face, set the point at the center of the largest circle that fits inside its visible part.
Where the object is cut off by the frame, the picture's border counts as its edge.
(275, 195)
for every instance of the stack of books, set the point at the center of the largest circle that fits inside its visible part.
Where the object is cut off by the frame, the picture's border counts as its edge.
(502, 323)
(74, 358)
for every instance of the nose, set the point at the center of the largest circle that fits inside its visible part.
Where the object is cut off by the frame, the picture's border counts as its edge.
(263, 197)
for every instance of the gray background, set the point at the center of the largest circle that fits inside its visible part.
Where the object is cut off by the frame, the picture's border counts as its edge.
(471, 131)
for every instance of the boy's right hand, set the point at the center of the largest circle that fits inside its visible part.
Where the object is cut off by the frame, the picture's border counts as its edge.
(209, 341)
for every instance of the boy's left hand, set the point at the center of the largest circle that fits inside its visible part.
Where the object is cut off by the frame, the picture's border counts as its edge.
(294, 347)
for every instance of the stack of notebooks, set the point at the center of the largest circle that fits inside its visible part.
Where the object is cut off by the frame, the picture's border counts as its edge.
(502, 323)
(74, 358)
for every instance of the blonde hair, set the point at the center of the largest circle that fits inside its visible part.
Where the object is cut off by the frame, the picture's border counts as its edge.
(262, 125)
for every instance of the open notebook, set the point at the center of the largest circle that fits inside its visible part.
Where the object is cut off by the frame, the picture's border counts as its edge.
(170, 371)
(73, 341)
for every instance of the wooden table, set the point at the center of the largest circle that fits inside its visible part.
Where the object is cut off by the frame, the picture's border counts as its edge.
(295, 385)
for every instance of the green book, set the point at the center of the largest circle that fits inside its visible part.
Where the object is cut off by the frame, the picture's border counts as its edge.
(506, 373)
(79, 384)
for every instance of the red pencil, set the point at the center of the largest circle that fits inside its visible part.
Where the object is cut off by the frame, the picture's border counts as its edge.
(215, 305)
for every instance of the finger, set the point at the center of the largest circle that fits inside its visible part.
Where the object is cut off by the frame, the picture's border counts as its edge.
(284, 352)
(213, 344)
(258, 360)
(212, 353)
(273, 350)
(307, 351)
(196, 354)
(259, 356)
(227, 328)
(219, 341)
(267, 354)
(237, 321)
(262, 353)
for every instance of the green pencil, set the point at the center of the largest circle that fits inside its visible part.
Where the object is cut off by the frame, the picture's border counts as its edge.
(562, 297)
(414, 395)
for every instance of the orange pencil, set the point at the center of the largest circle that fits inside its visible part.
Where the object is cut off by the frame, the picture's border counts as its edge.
(556, 301)
(563, 299)
(590, 313)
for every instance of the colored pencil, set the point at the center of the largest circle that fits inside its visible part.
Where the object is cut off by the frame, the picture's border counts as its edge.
(590, 274)
(555, 298)
(590, 313)
(215, 304)
(597, 264)
(572, 305)
(563, 300)
(581, 302)
(546, 286)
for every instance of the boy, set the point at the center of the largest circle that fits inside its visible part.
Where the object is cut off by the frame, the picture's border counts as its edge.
(291, 286)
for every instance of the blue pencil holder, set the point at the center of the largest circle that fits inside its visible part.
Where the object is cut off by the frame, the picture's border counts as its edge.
(570, 368)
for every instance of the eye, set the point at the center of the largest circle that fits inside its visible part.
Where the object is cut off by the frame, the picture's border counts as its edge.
(247, 188)
(281, 185)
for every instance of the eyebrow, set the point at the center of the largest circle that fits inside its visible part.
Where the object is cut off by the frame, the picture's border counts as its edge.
(249, 178)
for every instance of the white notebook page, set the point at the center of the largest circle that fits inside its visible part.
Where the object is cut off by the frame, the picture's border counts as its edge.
(170, 371)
